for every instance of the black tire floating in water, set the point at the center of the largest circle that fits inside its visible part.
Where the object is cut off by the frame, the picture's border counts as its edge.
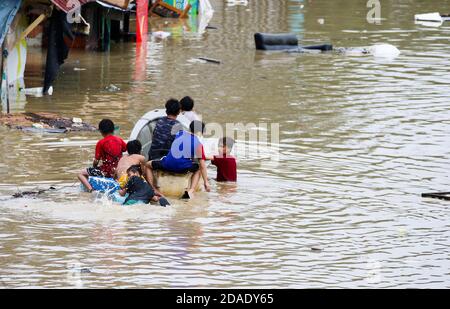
(281, 41)
(284, 41)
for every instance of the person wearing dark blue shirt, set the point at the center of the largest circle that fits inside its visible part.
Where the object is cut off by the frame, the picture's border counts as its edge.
(165, 130)
(186, 155)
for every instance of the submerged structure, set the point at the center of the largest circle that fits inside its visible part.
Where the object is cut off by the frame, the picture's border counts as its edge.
(60, 25)
(57, 26)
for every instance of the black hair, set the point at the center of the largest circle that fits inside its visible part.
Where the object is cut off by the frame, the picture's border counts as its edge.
(227, 141)
(135, 169)
(197, 127)
(106, 126)
(187, 104)
(173, 107)
(134, 147)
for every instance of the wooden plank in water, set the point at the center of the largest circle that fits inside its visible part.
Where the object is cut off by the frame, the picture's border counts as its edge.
(438, 195)
(210, 60)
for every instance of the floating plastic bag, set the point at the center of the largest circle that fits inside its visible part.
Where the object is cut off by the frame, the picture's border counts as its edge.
(161, 34)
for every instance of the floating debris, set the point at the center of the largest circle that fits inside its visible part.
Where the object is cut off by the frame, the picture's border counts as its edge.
(316, 249)
(44, 123)
(22, 194)
(196, 60)
(27, 193)
(430, 17)
(75, 268)
(85, 271)
(163, 202)
(210, 60)
(36, 92)
(402, 232)
(161, 34)
(32, 193)
(112, 88)
(438, 195)
(38, 126)
(237, 2)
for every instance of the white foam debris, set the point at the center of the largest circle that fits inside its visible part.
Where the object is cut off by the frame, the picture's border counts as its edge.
(435, 17)
(237, 2)
(161, 34)
(36, 92)
(37, 126)
(112, 88)
(432, 24)
(384, 51)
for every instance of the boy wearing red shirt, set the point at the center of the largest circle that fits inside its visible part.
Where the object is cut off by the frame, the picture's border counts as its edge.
(108, 150)
(226, 163)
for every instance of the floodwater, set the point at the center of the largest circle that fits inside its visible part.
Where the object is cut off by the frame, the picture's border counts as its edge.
(360, 139)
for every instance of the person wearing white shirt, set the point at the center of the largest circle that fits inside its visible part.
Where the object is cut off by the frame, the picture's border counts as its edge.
(187, 106)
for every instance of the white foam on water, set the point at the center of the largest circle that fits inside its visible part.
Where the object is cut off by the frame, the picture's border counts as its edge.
(65, 143)
(88, 209)
(237, 2)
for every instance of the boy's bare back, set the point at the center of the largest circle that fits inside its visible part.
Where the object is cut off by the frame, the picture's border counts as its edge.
(126, 162)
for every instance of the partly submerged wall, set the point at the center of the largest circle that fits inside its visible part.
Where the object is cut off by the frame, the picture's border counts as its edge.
(8, 10)
(14, 52)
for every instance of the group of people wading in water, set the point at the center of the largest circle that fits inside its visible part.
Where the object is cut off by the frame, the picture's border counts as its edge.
(173, 149)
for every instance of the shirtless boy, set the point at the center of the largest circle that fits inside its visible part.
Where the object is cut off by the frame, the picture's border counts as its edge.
(134, 157)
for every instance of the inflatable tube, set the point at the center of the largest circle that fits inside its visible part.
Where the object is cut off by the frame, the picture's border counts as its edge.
(106, 185)
(117, 198)
(281, 41)
(174, 185)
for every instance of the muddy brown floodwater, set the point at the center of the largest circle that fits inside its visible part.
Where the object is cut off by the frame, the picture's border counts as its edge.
(360, 139)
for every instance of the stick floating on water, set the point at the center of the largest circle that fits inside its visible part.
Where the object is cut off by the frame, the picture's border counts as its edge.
(438, 195)
(210, 60)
